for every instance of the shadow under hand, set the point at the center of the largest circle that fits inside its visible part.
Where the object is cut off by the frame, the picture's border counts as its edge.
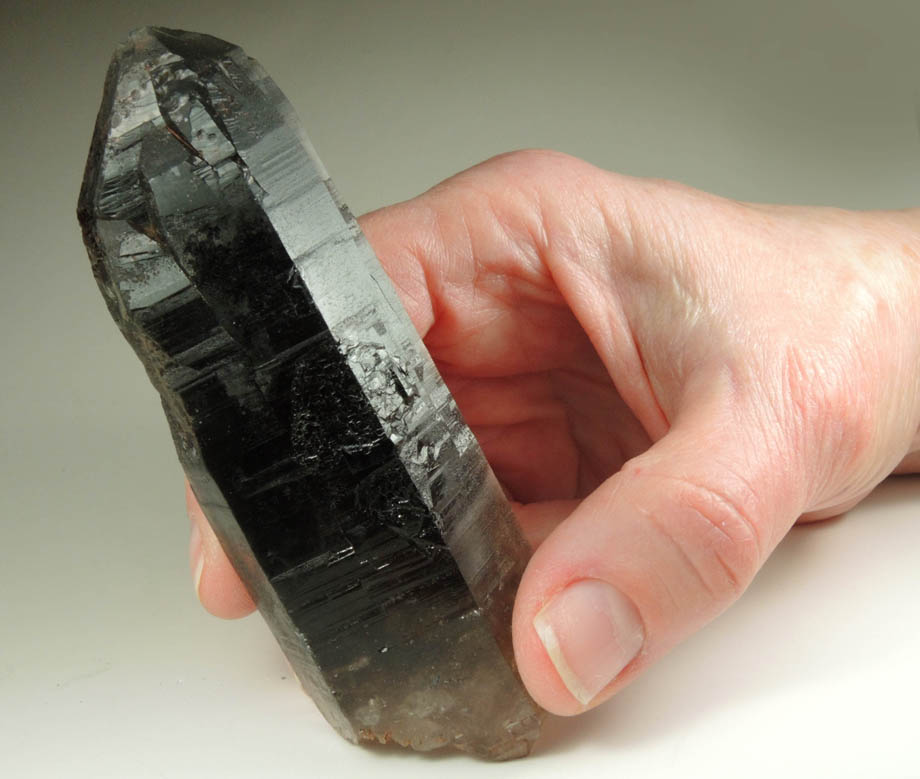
(812, 613)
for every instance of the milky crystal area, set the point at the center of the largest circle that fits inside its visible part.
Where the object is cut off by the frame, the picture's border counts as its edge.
(316, 433)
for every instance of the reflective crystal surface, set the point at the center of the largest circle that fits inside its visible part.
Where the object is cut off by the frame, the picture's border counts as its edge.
(316, 433)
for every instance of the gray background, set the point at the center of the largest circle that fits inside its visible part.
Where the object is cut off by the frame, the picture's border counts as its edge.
(107, 665)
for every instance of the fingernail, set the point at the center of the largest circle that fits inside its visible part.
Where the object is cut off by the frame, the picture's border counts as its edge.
(196, 557)
(591, 632)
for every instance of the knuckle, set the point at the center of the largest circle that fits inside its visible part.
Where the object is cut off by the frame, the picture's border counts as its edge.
(536, 169)
(720, 539)
(535, 157)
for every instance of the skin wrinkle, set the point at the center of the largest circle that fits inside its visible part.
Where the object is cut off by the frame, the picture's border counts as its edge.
(505, 287)
(508, 361)
(584, 425)
(667, 582)
(602, 338)
(522, 342)
(460, 245)
(432, 284)
(655, 419)
(410, 275)
(837, 413)
(665, 421)
(750, 530)
(777, 484)
(533, 268)
(755, 424)
(701, 570)
(429, 312)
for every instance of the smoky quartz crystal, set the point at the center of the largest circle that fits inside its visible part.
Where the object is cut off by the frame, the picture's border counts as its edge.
(316, 433)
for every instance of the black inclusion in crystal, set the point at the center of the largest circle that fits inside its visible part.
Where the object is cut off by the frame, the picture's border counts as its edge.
(313, 427)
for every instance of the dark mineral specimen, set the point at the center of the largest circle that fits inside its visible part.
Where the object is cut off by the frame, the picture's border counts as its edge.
(316, 433)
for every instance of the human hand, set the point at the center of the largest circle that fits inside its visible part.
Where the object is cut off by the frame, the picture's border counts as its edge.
(664, 381)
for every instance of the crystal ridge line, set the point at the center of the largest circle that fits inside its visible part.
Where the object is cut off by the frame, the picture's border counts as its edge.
(323, 446)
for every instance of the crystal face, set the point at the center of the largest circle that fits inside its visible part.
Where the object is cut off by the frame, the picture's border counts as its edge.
(316, 433)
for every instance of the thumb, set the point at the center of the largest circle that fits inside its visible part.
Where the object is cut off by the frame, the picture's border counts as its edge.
(657, 551)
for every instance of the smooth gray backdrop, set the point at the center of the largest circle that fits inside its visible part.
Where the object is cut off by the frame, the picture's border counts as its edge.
(108, 668)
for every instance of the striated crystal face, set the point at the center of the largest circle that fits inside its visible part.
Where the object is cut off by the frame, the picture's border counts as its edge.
(316, 433)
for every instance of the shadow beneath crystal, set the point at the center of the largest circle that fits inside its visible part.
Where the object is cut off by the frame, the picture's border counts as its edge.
(388, 751)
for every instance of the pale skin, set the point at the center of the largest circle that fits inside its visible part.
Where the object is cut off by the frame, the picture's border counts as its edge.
(664, 382)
